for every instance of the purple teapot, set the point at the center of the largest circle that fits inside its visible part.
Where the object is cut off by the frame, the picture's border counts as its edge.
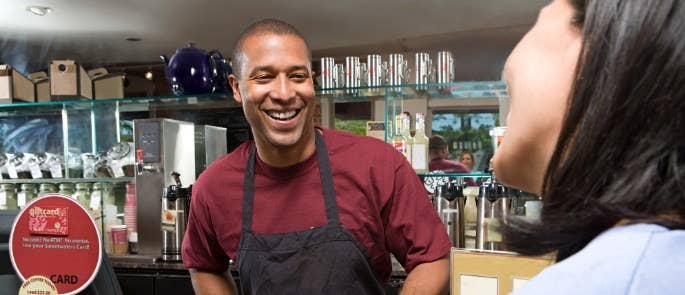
(192, 70)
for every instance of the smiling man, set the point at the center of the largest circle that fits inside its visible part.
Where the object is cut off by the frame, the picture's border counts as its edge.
(302, 209)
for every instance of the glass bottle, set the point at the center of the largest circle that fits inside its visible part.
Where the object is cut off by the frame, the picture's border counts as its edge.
(398, 141)
(8, 197)
(82, 194)
(420, 146)
(26, 194)
(405, 130)
(46, 188)
(102, 192)
(66, 189)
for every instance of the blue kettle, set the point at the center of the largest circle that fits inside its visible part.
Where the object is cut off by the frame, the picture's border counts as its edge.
(192, 70)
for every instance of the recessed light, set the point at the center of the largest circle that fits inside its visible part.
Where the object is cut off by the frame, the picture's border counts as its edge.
(39, 10)
(133, 39)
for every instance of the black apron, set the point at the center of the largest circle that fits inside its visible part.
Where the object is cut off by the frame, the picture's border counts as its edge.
(321, 260)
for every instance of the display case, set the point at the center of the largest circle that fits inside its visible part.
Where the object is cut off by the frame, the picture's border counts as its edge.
(85, 148)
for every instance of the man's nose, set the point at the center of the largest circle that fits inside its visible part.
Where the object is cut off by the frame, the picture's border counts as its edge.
(283, 89)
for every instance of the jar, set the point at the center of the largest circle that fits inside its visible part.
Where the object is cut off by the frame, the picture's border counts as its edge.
(103, 193)
(66, 189)
(88, 165)
(119, 238)
(16, 168)
(26, 194)
(47, 188)
(3, 168)
(52, 166)
(122, 159)
(82, 194)
(32, 165)
(75, 165)
(8, 197)
(101, 166)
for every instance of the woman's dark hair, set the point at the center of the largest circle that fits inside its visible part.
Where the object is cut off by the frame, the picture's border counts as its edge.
(621, 151)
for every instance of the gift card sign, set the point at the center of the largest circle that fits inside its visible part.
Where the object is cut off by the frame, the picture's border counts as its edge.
(55, 237)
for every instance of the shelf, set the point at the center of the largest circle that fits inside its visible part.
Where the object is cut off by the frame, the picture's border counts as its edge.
(479, 89)
(69, 180)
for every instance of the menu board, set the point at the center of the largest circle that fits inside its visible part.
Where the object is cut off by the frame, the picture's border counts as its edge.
(55, 237)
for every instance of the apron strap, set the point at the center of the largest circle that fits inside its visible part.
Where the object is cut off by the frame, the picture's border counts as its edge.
(325, 174)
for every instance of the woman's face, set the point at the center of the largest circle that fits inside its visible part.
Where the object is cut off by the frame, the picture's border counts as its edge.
(467, 160)
(539, 73)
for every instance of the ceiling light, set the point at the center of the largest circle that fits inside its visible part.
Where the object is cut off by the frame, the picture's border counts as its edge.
(149, 75)
(39, 10)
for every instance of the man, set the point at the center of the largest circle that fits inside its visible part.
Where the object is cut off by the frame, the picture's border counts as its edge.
(438, 151)
(304, 210)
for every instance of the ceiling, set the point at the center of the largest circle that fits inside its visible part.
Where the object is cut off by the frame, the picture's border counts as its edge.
(94, 31)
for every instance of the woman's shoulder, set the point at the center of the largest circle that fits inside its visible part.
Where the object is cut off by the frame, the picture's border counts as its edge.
(632, 259)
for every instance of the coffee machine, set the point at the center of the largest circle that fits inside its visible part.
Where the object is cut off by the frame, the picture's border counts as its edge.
(161, 148)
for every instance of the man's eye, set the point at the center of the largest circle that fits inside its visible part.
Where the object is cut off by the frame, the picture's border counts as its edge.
(298, 76)
(263, 77)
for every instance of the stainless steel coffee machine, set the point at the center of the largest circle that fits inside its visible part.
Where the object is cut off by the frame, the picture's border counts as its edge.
(161, 148)
(175, 208)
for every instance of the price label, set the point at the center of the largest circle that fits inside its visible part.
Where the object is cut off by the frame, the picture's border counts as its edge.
(12, 171)
(21, 199)
(56, 171)
(95, 201)
(35, 171)
(117, 171)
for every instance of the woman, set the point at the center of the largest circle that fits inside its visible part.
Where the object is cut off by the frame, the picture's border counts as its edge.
(596, 126)
(467, 159)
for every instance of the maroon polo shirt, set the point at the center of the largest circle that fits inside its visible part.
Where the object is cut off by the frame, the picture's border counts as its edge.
(380, 199)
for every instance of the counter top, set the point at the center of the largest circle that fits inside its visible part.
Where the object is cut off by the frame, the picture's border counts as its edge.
(154, 263)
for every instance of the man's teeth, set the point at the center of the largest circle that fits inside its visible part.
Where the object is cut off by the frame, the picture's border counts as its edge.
(282, 115)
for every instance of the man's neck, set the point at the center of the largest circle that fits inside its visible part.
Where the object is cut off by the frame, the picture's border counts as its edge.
(286, 156)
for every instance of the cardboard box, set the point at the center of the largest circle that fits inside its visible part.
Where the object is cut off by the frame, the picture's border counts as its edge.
(41, 83)
(68, 80)
(15, 87)
(107, 85)
(492, 273)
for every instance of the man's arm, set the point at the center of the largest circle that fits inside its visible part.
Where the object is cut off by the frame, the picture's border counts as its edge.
(213, 283)
(429, 278)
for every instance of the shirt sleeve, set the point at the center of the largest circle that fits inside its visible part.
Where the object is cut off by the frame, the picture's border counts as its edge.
(200, 249)
(414, 232)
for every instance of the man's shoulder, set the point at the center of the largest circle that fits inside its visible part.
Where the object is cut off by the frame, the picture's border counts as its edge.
(226, 165)
(350, 142)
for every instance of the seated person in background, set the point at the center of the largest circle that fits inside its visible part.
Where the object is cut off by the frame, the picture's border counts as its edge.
(466, 159)
(438, 151)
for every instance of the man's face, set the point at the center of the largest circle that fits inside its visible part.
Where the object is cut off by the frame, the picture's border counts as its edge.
(276, 89)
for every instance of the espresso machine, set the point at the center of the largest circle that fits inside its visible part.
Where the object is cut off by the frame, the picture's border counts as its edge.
(161, 148)
(175, 208)
(493, 208)
(449, 201)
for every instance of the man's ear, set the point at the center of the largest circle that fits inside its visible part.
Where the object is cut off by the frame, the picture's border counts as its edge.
(233, 81)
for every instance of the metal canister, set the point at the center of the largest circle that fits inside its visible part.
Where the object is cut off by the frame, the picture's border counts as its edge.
(374, 70)
(449, 203)
(423, 68)
(445, 67)
(398, 71)
(8, 197)
(327, 72)
(352, 72)
(494, 205)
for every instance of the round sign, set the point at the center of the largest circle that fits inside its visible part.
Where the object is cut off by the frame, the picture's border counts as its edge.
(38, 285)
(55, 237)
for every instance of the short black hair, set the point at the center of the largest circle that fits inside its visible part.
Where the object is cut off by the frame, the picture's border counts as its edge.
(267, 26)
(436, 143)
